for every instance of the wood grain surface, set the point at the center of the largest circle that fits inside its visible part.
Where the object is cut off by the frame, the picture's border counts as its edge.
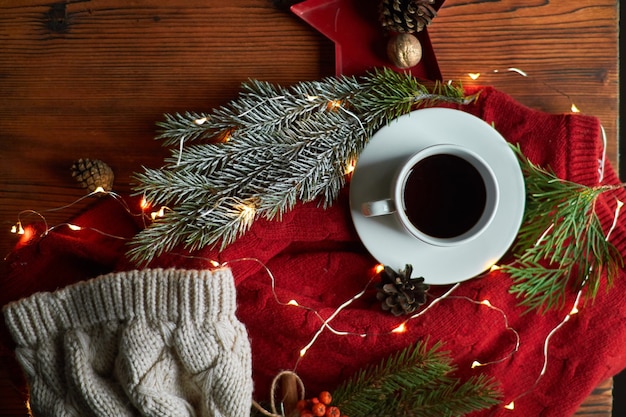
(90, 79)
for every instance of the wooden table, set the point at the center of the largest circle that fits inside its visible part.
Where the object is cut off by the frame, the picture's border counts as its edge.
(90, 79)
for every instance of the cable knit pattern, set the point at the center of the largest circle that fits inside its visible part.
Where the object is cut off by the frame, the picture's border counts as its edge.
(153, 342)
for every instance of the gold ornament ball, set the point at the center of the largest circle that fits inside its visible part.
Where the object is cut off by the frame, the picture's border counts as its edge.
(404, 50)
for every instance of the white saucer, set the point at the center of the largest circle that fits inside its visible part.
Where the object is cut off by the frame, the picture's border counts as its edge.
(386, 239)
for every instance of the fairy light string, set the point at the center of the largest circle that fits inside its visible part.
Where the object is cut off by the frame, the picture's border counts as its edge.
(546, 343)
(402, 327)
(330, 318)
(507, 326)
(22, 228)
(575, 305)
(325, 323)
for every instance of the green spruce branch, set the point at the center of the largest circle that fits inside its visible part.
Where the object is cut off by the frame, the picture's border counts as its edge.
(417, 381)
(561, 245)
(267, 150)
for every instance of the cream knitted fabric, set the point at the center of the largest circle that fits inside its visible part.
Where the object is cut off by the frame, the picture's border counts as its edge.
(150, 343)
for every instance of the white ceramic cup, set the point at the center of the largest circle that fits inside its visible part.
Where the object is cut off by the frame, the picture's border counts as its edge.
(444, 195)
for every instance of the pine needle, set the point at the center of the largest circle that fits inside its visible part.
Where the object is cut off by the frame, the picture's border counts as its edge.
(416, 381)
(561, 245)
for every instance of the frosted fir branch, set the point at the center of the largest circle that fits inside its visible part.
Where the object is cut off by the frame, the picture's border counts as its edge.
(271, 147)
(306, 168)
(193, 227)
(261, 107)
(160, 186)
(187, 126)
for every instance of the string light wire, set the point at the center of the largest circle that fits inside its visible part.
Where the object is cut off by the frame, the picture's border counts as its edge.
(328, 320)
(574, 310)
(575, 306)
(573, 108)
(507, 326)
(325, 323)
(18, 228)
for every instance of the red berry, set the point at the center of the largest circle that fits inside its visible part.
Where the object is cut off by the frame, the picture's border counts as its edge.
(318, 409)
(333, 412)
(325, 397)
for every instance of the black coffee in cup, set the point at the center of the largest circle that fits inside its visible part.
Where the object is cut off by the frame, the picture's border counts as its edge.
(444, 196)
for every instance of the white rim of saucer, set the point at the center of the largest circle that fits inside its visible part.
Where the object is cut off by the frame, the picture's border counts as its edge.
(386, 239)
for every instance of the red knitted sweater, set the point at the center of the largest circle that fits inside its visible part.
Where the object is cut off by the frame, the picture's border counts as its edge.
(316, 258)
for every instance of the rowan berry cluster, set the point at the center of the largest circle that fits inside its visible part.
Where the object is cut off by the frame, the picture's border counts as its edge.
(319, 406)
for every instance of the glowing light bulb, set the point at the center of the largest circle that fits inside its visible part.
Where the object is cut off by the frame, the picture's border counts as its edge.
(350, 168)
(26, 234)
(379, 268)
(494, 267)
(400, 329)
(510, 406)
(214, 263)
(474, 75)
(74, 227)
(619, 204)
(575, 109)
(574, 311)
(99, 189)
(477, 364)
(293, 303)
(486, 303)
(144, 204)
(225, 136)
(247, 212)
(17, 228)
(333, 105)
(303, 352)
(200, 121)
(159, 213)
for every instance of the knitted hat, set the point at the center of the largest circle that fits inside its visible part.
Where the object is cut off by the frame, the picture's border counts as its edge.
(150, 343)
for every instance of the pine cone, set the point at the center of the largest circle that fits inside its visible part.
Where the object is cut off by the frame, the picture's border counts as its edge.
(406, 16)
(93, 173)
(399, 293)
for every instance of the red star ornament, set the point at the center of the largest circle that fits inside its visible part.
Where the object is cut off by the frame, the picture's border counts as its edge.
(360, 41)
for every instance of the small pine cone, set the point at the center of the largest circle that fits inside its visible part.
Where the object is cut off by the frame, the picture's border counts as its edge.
(93, 173)
(406, 16)
(399, 293)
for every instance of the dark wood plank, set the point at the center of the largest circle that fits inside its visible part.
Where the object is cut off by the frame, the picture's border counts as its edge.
(97, 88)
(568, 49)
(599, 403)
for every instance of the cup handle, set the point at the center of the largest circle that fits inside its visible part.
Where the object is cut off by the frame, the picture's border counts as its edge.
(378, 208)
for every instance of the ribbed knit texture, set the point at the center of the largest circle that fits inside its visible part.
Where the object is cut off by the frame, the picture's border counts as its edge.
(152, 342)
